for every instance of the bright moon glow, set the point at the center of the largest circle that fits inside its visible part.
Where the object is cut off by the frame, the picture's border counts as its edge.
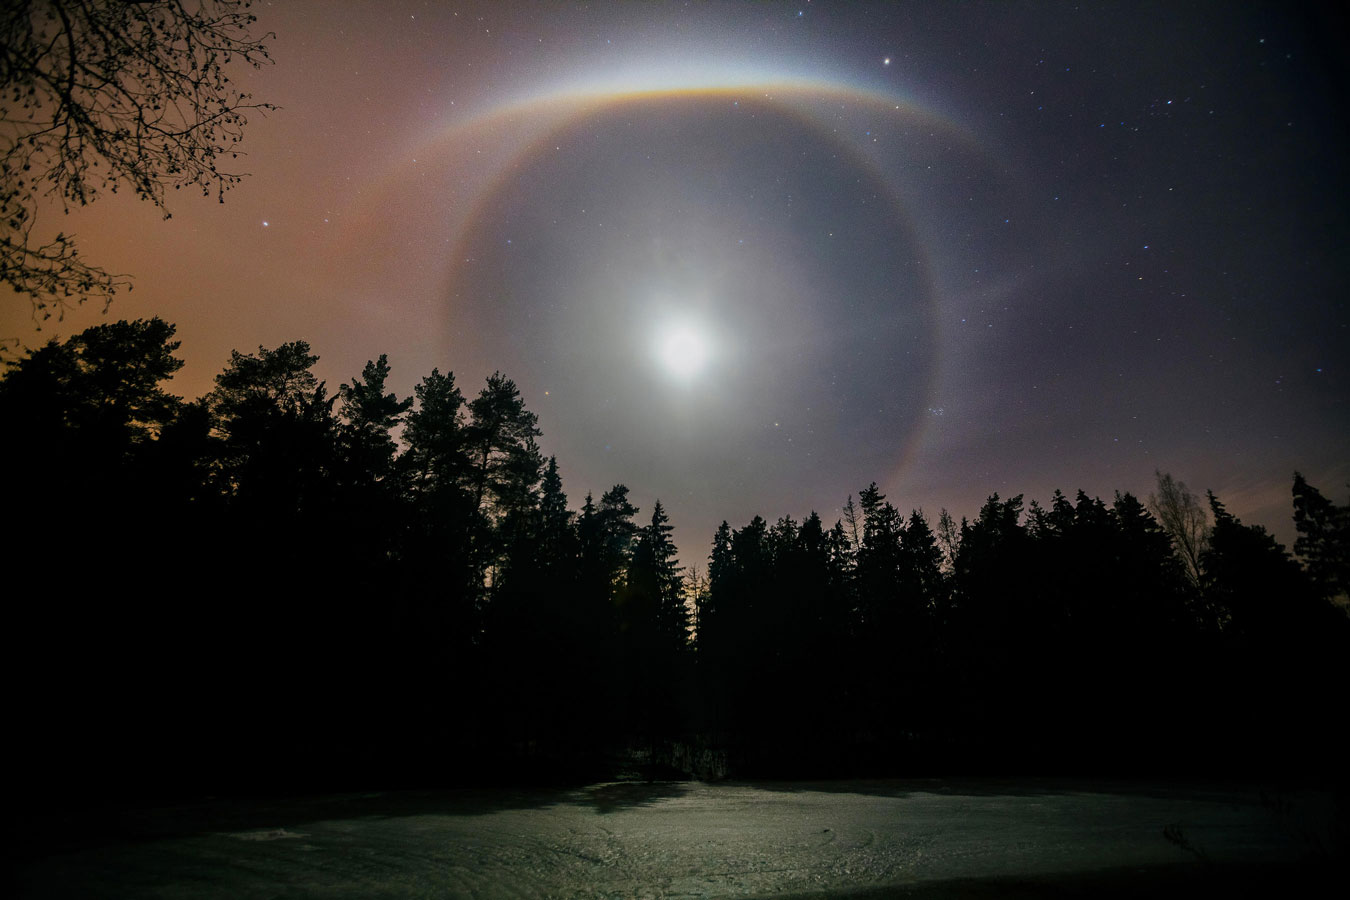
(683, 350)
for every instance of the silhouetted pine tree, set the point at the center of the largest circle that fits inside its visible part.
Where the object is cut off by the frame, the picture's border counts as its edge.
(102, 638)
(370, 507)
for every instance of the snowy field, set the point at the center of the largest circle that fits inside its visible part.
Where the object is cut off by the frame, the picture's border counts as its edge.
(928, 838)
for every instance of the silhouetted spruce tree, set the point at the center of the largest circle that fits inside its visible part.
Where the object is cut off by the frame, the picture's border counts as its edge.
(1160, 651)
(921, 570)
(573, 674)
(837, 608)
(518, 515)
(712, 647)
(817, 690)
(819, 614)
(990, 589)
(780, 610)
(654, 626)
(558, 547)
(726, 648)
(1106, 607)
(672, 614)
(923, 597)
(881, 614)
(605, 533)
(878, 564)
(1158, 597)
(746, 598)
(523, 617)
(1281, 642)
(1323, 541)
(1261, 588)
(720, 567)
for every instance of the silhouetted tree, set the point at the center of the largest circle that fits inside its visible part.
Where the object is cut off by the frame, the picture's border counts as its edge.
(739, 573)
(82, 416)
(436, 459)
(879, 564)
(712, 637)
(655, 574)
(850, 520)
(278, 431)
(277, 471)
(503, 460)
(949, 539)
(1281, 644)
(1183, 516)
(101, 388)
(460, 617)
(923, 599)
(1323, 539)
(921, 563)
(991, 582)
(1266, 595)
(606, 533)
(440, 578)
(101, 548)
(654, 627)
(558, 547)
(367, 508)
(369, 415)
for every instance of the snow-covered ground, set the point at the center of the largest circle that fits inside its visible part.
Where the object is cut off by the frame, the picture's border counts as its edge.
(678, 839)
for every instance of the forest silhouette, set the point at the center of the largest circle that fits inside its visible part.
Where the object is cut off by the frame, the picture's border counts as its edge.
(275, 587)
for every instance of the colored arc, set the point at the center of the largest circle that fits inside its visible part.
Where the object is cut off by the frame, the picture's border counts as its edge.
(463, 166)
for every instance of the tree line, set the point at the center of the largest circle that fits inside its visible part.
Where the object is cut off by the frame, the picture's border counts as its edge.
(275, 584)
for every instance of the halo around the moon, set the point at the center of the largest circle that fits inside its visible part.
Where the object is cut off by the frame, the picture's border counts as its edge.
(675, 241)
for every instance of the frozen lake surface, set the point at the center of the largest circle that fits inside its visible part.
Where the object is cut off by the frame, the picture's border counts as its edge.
(929, 838)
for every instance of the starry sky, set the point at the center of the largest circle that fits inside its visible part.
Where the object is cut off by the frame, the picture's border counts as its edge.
(747, 258)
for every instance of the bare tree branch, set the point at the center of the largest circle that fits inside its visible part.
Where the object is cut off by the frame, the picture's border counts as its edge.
(96, 95)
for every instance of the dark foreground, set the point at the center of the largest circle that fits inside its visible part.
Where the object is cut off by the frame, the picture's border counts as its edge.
(921, 838)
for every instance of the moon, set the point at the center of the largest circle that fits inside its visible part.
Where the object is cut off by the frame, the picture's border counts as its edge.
(682, 350)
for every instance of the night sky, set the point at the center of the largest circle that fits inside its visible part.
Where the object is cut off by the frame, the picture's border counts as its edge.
(747, 258)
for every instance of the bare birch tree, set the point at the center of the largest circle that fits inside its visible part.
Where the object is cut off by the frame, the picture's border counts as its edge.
(1183, 516)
